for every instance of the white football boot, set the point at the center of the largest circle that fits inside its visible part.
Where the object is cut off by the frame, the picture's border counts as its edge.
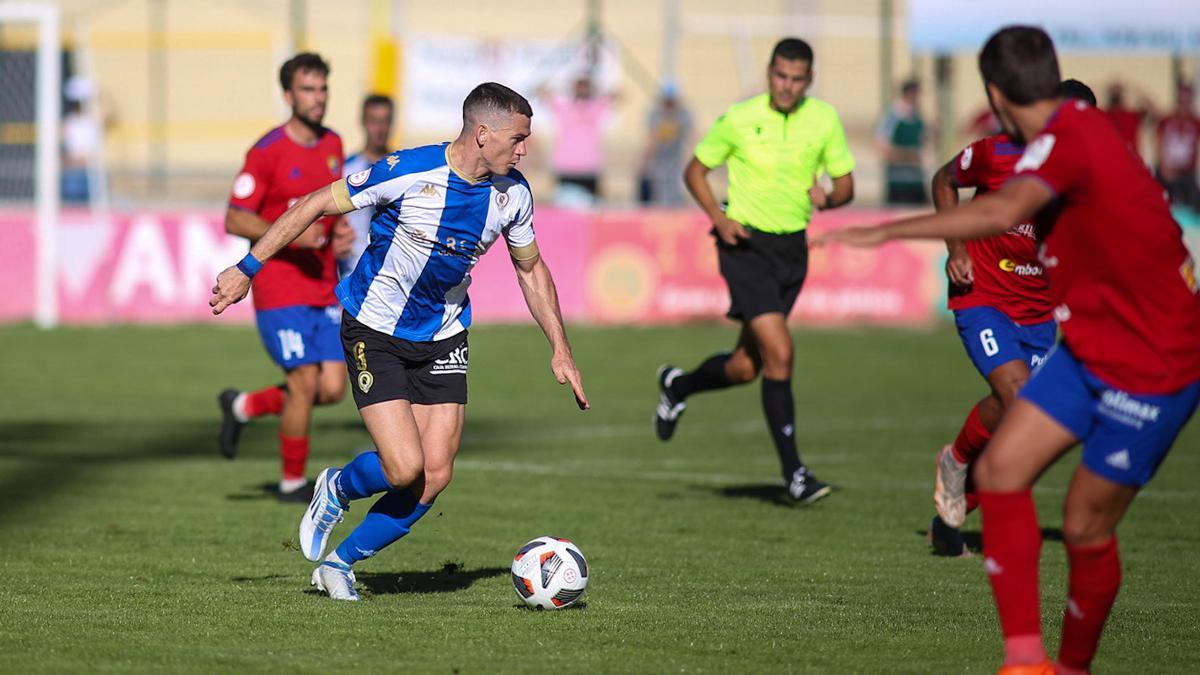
(324, 512)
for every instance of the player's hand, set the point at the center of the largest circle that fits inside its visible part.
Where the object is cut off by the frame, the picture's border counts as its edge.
(861, 237)
(343, 238)
(231, 287)
(730, 231)
(563, 367)
(313, 237)
(959, 269)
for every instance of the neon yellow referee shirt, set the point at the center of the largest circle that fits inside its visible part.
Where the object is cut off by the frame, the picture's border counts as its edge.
(773, 159)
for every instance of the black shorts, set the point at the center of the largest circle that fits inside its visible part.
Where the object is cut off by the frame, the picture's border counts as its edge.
(387, 368)
(764, 273)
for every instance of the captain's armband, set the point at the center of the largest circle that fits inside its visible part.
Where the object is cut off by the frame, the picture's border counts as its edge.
(341, 196)
(524, 253)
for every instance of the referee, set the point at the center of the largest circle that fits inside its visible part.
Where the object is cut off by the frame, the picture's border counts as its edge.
(775, 144)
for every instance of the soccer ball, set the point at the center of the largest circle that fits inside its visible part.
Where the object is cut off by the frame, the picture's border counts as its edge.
(549, 573)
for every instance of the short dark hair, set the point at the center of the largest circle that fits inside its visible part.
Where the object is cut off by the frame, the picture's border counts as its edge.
(1077, 90)
(494, 97)
(308, 61)
(792, 49)
(378, 99)
(1021, 62)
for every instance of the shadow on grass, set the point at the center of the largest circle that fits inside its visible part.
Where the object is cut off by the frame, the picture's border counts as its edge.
(973, 539)
(451, 578)
(771, 493)
(522, 607)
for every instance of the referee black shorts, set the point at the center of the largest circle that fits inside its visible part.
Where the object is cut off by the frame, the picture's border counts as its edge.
(764, 273)
(383, 367)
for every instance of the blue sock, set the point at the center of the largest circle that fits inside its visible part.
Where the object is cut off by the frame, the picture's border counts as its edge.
(389, 519)
(361, 477)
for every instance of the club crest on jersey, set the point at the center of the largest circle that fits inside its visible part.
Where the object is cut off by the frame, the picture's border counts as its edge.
(501, 199)
(1036, 154)
(243, 186)
(359, 177)
(964, 162)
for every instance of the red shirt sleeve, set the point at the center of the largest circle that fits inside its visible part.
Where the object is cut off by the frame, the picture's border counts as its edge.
(972, 164)
(1057, 159)
(252, 182)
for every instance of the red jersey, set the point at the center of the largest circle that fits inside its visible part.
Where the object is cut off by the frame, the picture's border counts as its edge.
(1128, 123)
(1121, 278)
(277, 172)
(1008, 275)
(1178, 136)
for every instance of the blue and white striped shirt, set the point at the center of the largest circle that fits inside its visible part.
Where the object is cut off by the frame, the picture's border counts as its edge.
(431, 225)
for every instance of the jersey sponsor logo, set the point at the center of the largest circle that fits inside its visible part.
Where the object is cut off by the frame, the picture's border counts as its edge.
(964, 160)
(359, 177)
(1036, 154)
(334, 164)
(243, 186)
(1188, 271)
(454, 363)
(1119, 406)
(1025, 230)
(429, 190)
(1021, 270)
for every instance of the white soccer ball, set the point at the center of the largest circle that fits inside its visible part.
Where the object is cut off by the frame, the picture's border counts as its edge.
(549, 573)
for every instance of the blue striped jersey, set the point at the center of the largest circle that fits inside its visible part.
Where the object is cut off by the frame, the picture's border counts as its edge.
(430, 227)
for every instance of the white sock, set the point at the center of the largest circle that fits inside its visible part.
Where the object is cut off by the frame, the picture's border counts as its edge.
(289, 485)
(239, 408)
(333, 558)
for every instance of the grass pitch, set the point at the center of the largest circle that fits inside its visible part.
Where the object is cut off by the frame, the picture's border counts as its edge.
(130, 545)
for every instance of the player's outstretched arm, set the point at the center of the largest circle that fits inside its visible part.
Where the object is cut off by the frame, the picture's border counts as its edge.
(234, 282)
(541, 297)
(994, 213)
(945, 198)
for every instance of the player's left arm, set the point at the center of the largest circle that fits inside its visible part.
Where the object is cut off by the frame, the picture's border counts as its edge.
(989, 215)
(541, 296)
(234, 282)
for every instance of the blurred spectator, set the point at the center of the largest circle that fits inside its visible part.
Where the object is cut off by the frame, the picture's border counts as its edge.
(578, 152)
(1127, 120)
(668, 129)
(901, 135)
(81, 137)
(378, 112)
(1178, 135)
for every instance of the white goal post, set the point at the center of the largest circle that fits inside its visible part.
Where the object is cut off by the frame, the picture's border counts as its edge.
(45, 21)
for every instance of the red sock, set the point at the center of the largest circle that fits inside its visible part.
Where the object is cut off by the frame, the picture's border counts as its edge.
(294, 452)
(972, 501)
(1012, 544)
(972, 439)
(267, 401)
(1094, 581)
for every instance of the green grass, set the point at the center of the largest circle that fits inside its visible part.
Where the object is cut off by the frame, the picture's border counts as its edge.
(129, 545)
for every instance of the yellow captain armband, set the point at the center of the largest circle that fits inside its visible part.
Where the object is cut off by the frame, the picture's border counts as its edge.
(523, 253)
(341, 196)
